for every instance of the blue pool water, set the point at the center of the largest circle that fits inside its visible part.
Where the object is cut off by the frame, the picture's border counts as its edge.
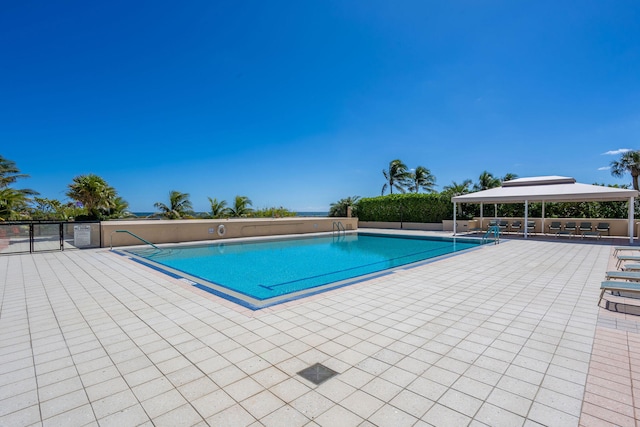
(263, 270)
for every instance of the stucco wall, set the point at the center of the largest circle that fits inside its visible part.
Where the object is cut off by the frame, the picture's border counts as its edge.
(176, 231)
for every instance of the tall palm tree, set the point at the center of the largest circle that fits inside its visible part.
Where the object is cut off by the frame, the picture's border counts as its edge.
(9, 172)
(13, 202)
(94, 193)
(396, 176)
(457, 189)
(179, 206)
(422, 178)
(241, 207)
(486, 180)
(628, 162)
(218, 208)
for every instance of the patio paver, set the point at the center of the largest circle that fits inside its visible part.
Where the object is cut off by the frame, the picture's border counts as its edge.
(509, 334)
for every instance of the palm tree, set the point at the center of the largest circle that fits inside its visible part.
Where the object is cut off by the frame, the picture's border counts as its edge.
(241, 207)
(457, 189)
(629, 162)
(422, 178)
(397, 176)
(94, 193)
(486, 180)
(119, 208)
(14, 204)
(509, 176)
(340, 207)
(218, 208)
(9, 172)
(179, 206)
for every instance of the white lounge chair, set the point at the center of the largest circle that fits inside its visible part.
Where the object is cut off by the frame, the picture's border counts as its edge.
(632, 276)
(631, 267)
(615, 285)
(617, 249)
(622, 258)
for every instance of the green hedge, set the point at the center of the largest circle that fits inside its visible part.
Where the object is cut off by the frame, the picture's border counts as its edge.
(411, 207)
(417, 207)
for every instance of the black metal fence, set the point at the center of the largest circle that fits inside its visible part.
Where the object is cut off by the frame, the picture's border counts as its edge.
(40, 236)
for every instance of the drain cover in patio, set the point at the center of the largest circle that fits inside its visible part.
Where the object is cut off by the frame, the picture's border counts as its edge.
(317, 373)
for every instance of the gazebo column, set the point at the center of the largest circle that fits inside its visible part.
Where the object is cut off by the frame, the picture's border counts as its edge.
(454, 218)
(542, 217)
(631, 227)
(481, 216)
(526, 218)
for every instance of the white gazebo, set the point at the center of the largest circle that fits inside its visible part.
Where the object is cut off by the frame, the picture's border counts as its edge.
(546, 189)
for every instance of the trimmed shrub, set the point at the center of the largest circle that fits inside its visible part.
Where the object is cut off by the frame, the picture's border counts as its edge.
(410, 207)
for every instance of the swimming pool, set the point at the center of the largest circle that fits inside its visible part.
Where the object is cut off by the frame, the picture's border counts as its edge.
(257, 274)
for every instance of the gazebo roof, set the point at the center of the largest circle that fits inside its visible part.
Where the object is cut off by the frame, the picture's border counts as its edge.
(546, 188)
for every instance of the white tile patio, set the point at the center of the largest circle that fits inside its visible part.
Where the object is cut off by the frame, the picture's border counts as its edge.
(506, 335)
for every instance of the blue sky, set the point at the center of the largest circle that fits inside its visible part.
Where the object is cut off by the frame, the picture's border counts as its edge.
(301, 103)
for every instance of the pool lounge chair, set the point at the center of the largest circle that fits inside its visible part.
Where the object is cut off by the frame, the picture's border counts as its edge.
(585, 226)
(631, 276)
(604, 226)
(616, 285)
(516, 226)
(531, 226)
(631, 267)
(503, 225)
(617, 249)
(623, 258)
(587, 230)
(570, 226)
(555, 227)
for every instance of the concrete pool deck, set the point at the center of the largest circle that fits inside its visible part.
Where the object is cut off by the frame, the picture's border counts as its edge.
(506, 335)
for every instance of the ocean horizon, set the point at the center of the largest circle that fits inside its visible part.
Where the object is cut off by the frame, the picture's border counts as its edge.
(298, 213)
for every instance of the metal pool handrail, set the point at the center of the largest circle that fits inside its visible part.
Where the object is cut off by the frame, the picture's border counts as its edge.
(337, 225)
(495, 230)
(134, 235)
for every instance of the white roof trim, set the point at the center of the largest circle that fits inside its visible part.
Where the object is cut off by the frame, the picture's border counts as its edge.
(539, 189)
(539, 180)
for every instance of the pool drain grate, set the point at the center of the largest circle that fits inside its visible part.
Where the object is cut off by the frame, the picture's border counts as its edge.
(317, 373)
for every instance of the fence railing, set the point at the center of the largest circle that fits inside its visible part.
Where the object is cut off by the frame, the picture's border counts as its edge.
(40, 236)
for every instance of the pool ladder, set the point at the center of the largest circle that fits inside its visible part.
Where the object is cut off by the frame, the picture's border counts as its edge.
(134, 235)
(492, 230)
(339, 227)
